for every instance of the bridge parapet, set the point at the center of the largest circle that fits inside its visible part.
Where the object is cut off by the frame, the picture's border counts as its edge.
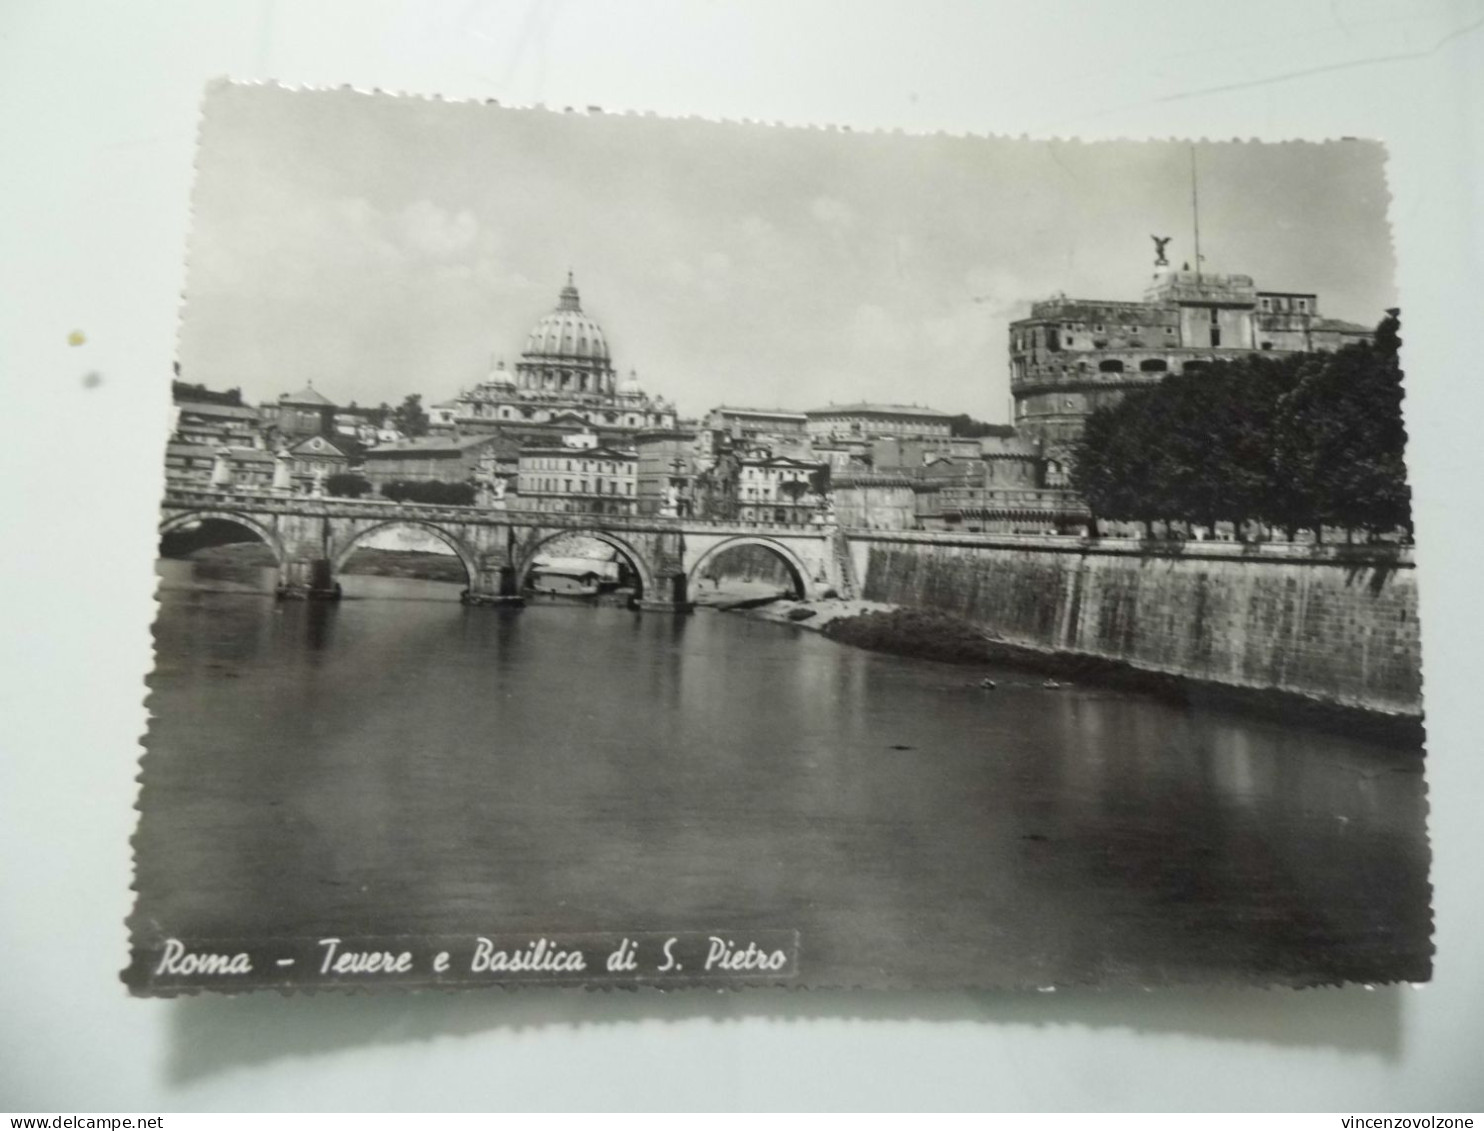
(385, 510)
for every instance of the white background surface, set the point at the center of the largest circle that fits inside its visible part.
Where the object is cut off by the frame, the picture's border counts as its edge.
(97, 117)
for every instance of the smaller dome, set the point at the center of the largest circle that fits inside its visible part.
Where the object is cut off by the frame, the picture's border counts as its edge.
(499, 375)
(630, 383)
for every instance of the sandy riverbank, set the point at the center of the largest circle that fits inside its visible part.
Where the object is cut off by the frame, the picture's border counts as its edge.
(824, 612)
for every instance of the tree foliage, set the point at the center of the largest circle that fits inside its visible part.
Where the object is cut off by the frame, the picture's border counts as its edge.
(410, 418)
(377, 417)
(965, 425)
(432, 491)
(183, 391)
(347, 485)
(1301, 441)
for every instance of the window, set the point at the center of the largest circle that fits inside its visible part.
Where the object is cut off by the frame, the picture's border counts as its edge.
(1303, 305)
(1215, 320)
(1111, 365)
(1152, 365)
(1267, 304)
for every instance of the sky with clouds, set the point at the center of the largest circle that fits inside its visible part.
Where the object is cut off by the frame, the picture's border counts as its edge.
(379, 245)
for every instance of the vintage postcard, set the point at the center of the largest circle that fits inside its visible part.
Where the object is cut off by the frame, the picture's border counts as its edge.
(613, 551)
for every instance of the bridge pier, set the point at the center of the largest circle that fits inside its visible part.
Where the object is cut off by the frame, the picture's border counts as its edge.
(671, 596)
(307, 579)
(495, 584)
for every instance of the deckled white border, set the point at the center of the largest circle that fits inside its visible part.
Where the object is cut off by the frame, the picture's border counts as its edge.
(95, 225)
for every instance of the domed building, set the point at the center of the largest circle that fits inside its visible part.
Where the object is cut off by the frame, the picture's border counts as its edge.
(564, 382)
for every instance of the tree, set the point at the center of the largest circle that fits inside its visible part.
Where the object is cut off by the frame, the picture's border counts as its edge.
(181, 391)
(965, 425)
(410, 417)
(434, 492)
(1342, 439)
(347, 485)
(1117, 466)
(1307, 440)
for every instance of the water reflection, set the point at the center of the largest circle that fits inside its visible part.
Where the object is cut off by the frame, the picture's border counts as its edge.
(413, 765)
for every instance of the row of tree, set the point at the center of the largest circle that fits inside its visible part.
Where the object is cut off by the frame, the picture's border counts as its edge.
(184, 391)
(349, 485)
(408, 418)
(1303, 441)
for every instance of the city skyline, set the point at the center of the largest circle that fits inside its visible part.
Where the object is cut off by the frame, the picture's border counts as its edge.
(378, 246)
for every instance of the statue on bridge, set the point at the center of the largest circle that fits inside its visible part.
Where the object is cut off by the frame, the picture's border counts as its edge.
(283, 472)
(221, 469)
(489, 486)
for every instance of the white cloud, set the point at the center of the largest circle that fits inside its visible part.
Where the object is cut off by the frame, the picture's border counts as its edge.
(834, 214)
(874, 331)
(426, 228)
(994, 290)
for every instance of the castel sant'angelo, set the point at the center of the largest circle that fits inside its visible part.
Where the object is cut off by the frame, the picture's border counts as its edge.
(1072, 356)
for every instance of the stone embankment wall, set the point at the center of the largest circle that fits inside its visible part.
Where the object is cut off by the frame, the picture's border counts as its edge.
(1333, 623)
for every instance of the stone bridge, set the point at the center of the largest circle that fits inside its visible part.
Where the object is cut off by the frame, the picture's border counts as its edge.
(312, 537)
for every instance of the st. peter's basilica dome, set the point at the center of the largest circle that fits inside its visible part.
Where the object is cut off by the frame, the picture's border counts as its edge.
(566, 333)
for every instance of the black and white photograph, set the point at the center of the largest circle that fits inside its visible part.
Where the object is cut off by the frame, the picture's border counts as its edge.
(628, 551)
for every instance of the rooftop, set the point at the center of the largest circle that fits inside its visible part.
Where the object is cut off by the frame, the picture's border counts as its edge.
(175, 448)
(443, 445)
(760, 412)
(310, 443)
(306, 396)
(869, 409)
(205, 408)
(578, 453)
(1341, 324)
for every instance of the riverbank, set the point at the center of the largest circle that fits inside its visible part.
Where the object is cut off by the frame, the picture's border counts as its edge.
(929, 635)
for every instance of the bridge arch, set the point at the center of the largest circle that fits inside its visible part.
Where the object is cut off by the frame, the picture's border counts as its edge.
(262, 530)
(641, 564)
(797, 570)
(466, 557)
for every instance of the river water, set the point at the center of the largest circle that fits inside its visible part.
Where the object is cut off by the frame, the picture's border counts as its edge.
(398, 763)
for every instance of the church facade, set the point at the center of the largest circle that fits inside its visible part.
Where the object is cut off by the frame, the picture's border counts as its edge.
(565, 381)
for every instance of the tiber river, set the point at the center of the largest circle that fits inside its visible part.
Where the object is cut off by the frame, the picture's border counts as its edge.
(401, 764)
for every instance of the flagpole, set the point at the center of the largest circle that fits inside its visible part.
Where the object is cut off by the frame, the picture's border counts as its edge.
(1195, 211)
